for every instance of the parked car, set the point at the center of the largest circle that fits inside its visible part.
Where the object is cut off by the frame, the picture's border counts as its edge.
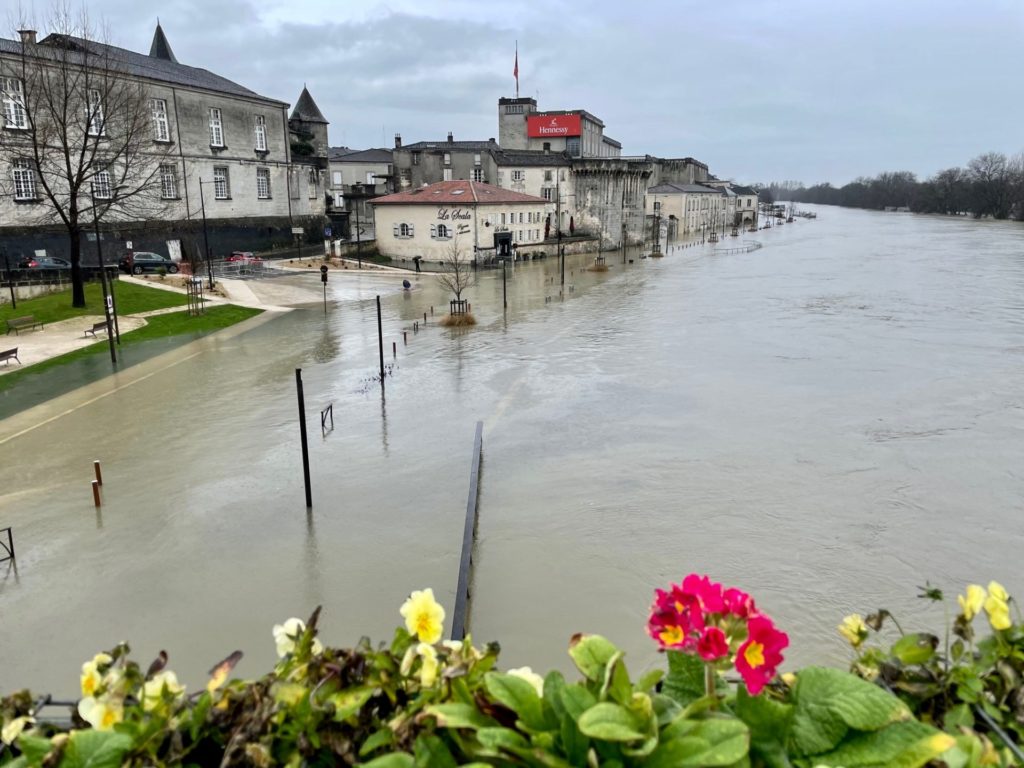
(247, 257)
(144, 261)
(44, 262)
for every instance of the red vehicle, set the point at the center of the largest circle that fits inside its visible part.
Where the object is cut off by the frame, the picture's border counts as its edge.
(247, 257)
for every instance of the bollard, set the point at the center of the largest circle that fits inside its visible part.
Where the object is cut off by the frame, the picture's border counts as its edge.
(424, 318)
(302, 437)
(469, 307)
(96, 493)
(431, 311)
(405, 337)
(99, 474)
(394, 349)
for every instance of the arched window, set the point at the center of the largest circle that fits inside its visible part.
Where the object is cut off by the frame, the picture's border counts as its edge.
(403, 230)
(442, 232)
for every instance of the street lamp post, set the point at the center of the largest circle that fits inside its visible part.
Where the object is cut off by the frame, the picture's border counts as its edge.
(206, 237)
(108, 300)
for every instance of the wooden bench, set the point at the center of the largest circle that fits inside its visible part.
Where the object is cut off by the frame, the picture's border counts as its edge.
(18, 324)
(100, 326)
(9, 354)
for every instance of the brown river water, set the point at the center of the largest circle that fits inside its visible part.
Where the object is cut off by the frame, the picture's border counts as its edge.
(827, 422)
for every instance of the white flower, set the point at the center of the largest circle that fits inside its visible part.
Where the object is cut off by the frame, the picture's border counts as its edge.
(13, 729)
(101, 714)
(531, 677)
(455, 646)
(286, 635)
(153, 690)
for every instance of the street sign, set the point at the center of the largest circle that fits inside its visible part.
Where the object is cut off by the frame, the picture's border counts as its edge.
(297, 230)
(128, 245)
(110, 303)
(323, 273)
(327, 231)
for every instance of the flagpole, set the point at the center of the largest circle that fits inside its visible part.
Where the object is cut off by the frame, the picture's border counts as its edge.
(516, 71)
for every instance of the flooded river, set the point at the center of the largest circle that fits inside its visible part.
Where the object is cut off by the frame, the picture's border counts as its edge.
(828, 421)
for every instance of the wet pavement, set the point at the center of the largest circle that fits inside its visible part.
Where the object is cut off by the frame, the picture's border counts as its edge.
(828, 422)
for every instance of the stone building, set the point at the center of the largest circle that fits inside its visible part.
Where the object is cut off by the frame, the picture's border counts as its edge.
(218, 151)
(480, 219)
(356, 178)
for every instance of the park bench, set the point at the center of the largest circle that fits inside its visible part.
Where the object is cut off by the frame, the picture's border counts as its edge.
(17, 324)
(10, 354)
(100, 326)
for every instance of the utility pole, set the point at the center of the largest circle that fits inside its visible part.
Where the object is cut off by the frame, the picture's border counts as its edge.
(558, 221)
(359, 241)
(107, 302)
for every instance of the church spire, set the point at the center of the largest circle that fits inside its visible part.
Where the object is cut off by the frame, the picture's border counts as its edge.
(161, 49)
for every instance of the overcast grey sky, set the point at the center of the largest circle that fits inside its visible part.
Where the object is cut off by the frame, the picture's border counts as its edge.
(760, 90)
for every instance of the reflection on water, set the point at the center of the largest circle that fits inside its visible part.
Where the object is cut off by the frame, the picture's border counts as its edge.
(828, 422)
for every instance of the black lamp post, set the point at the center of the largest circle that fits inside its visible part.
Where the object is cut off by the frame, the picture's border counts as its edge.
(10, 279)
(206, 237)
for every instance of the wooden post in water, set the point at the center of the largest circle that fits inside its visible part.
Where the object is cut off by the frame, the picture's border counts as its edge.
(302, 434)
(96, 493)
(99, 473)
(380, 342)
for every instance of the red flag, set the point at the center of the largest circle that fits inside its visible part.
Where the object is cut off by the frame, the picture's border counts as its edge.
(515, 70)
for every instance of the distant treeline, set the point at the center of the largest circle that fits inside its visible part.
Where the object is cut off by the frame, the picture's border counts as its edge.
(990, 185)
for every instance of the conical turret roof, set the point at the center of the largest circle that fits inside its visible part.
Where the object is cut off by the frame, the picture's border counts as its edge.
(307, 110)
(161, 49)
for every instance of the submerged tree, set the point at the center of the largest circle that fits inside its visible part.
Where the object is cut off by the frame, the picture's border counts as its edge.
(459, 272)
(79, 131)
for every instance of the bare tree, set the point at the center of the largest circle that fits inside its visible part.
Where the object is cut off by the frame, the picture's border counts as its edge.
(459, 273)
(79, 133)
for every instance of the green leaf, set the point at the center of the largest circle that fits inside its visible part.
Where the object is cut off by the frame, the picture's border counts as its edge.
(518, 695)
(394, 760)
(34, 748)
(828, 703)
(666, 709)
(95, 749)
(610, 722)
(591, 654)
(916, 648)
(348, 703)
(574, 743)
(685, 681)
(460, 716)
(616, 681)
(906, 744)
(958, 716)
(431, 752)
(554, 685)
(649, 679)
(769, 722)
(497, 738)
(713, 742)
(383, 737)
(576, 699)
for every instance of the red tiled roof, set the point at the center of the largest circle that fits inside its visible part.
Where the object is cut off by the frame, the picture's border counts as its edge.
(455, 193)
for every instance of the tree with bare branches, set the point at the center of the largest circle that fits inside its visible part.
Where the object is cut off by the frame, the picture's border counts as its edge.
(78, 132)
(459, 272)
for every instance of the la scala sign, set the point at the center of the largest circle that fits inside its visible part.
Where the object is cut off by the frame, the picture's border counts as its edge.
(453, 214)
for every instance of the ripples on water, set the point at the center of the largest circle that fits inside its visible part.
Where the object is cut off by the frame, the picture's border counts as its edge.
(828, 421)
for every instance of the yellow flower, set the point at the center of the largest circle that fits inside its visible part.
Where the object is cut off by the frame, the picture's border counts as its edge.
(153, 690)
(13, 729)
(428, 670)
(531, 677)
(101, 714)
(971, 604)
(997, 591)
(287, 635)
(998, 613)
(854, 629)
(91, 679)
(424, 616)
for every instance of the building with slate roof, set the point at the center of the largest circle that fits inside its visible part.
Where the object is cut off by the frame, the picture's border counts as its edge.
(217, 148)
(356, 178)
(482, 220)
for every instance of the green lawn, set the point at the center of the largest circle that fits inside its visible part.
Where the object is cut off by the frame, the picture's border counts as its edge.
(130, 299)
(159, 326)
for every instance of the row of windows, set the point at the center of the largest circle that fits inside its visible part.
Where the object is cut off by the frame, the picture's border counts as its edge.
(16, 116)
(444, 232)
(24, 179)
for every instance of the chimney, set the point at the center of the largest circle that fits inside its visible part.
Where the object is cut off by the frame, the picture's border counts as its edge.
(451, 139)
(398, 141)
(28, 36)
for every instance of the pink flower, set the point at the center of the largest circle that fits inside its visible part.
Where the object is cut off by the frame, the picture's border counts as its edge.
(712, 645)
(759, 657)
(707, 592)
(738, 603)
